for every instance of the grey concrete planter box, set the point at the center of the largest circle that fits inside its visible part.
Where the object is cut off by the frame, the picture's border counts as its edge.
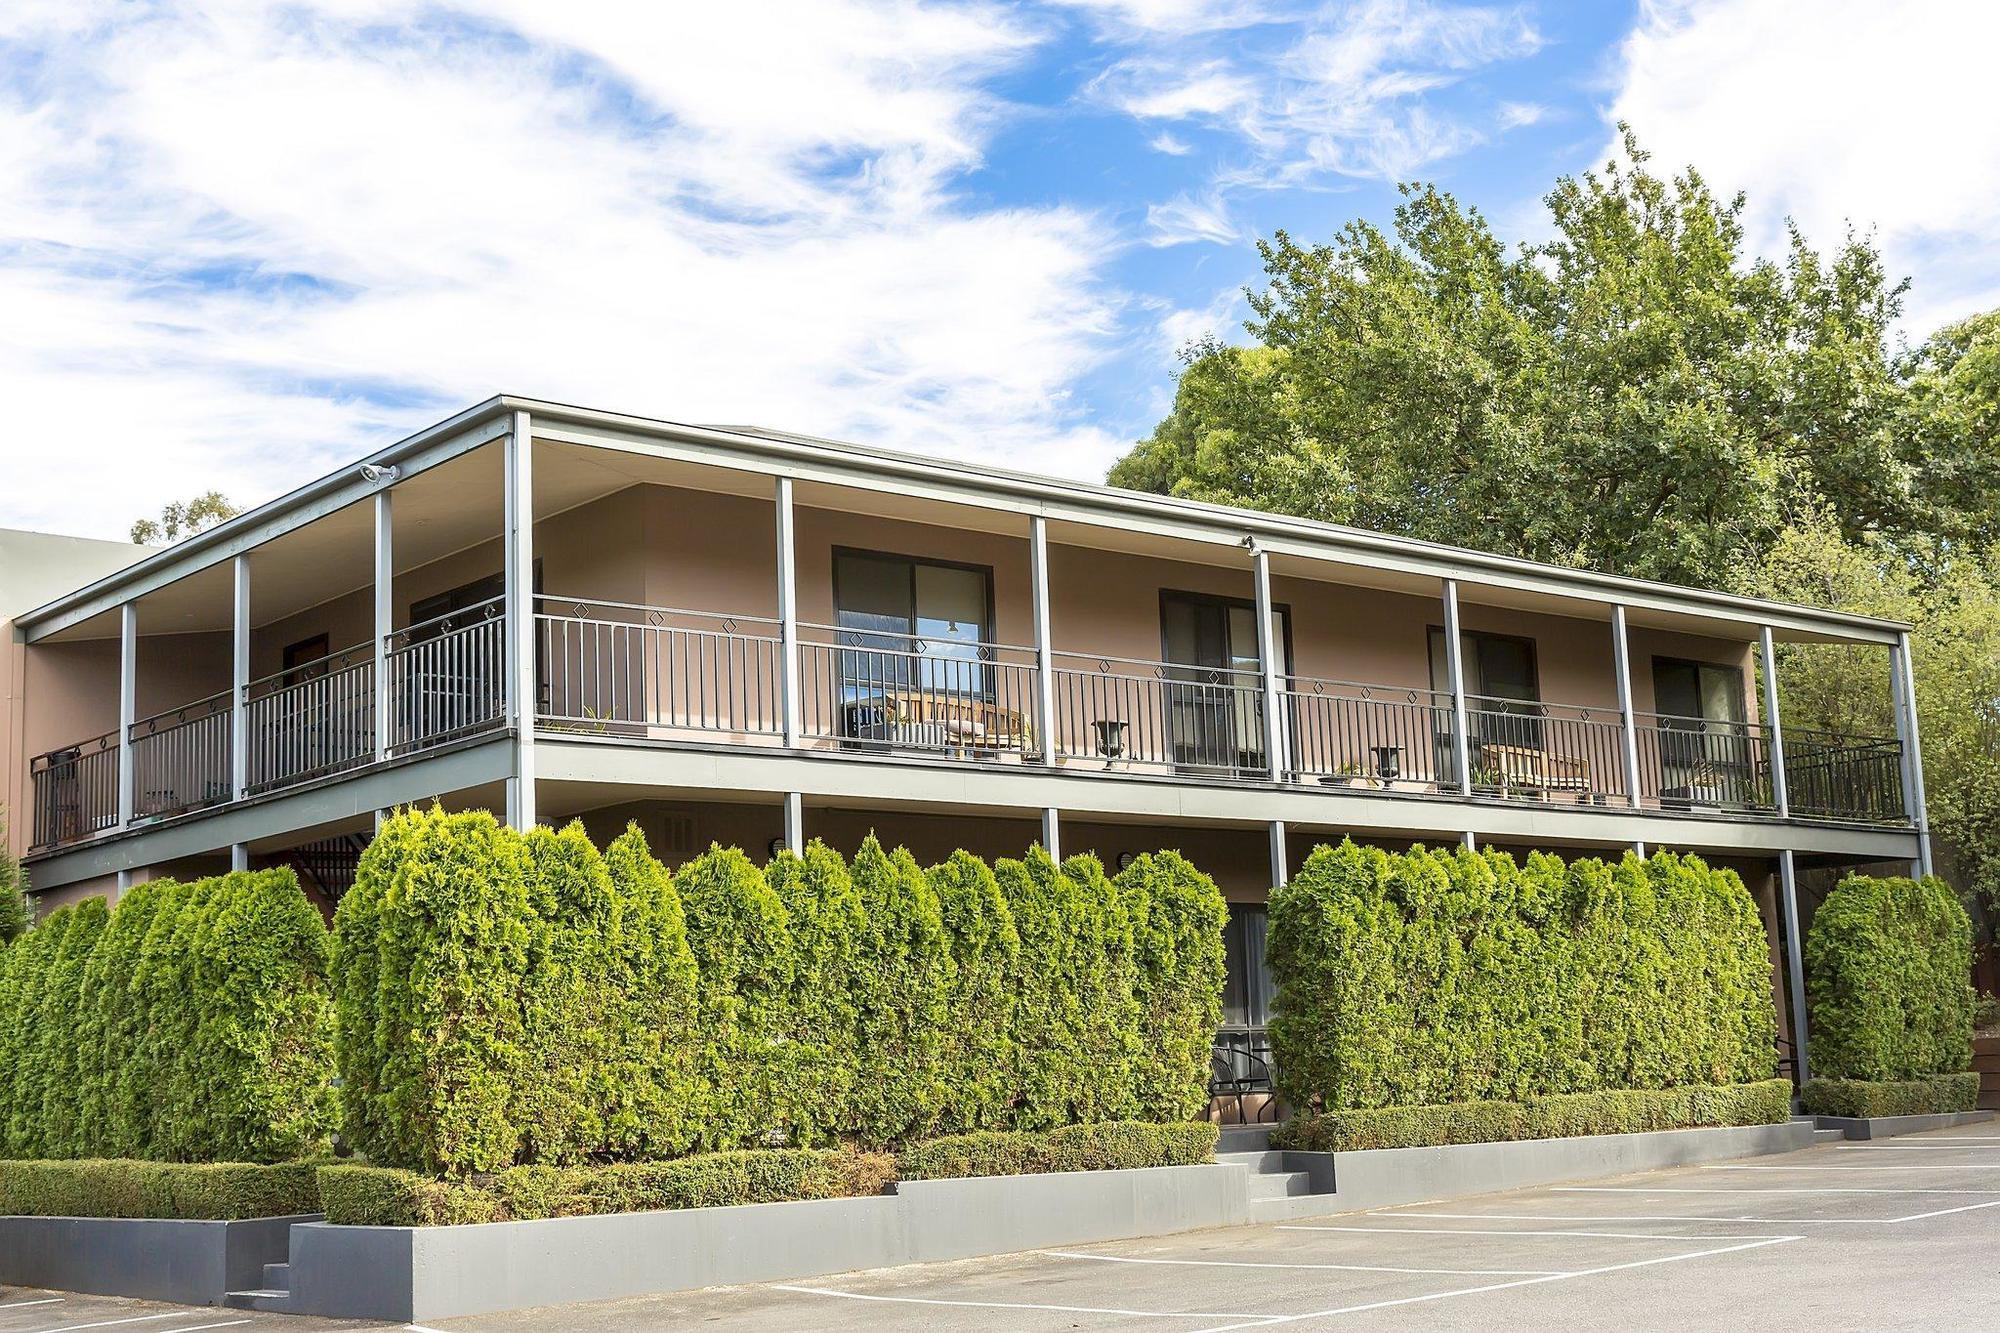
(417, 1274)
(1889, 1126)
(1384, 1176)
(189, 1263)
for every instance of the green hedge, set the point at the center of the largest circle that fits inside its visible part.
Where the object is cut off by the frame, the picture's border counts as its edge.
(903, 989)
(378, 1196)
(1177, 918)
(1866, 1100)
(1114, 1145)
(822, 1014)
(1567, 1115)
(1889, 981)
(1451, 976)
(977, 1075)
(211, 1191)
(190, 1023)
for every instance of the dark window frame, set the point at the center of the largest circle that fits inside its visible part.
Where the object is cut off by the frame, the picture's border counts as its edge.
(299, 665)
(1287, 671)
(1432, 633)
(986, 630)
(1698, 666)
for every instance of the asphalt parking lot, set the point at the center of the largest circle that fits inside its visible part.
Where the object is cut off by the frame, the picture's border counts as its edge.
(1897, 1234)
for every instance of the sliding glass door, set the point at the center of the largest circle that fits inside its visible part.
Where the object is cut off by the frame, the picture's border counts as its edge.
(1214, 691)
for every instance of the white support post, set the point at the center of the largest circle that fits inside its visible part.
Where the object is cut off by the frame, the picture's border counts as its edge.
(1052, 833)
(795, 823)
(239, 681)
(1281, 862)
(385, 615)
(1774, 725)
(520, 597)
(1467, 841)
(1045, 658)
(1795, 961)
(788, 613)
(1621, 651)
(1639, 850)
(239, 856)
(1268, 650)
(1902, 677)
(128, 705)
(1454, 657)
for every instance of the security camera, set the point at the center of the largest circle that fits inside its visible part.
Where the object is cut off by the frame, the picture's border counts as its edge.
(377, 472)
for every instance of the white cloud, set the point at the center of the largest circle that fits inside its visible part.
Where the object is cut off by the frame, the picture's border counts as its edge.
(1165, 142)
(1346, 94)
(242, 242)
(1192, 218)
(1833, 111)
(1130, 17)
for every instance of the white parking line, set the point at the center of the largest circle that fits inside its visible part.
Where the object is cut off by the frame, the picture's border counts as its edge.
(1948, 1166)
(108, 1323)
(197, 1328)
(1338, 1268)
(1916, 1147)
(1962, 1208)
(1263, 1320)
(1250, 1319)
(22, 1305)
(1761, 1189)
(1509, 1231)
(1649, 1217)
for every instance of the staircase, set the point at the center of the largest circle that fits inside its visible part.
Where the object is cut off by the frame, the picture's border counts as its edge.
(1277, 1192)
(275, 1295)
(328, 865)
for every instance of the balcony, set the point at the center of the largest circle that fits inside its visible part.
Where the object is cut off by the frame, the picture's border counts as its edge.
(655, 674)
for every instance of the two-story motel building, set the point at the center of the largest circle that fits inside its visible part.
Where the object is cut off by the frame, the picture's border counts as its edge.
(745, 636)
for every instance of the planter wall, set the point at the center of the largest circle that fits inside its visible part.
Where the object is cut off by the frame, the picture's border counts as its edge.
(189, 1263)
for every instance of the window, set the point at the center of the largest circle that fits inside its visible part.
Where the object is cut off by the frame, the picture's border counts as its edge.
(912, 623)
(1246, 991)
(306, 654)
(1214, 695)
(1706, 750)
(1497, 666)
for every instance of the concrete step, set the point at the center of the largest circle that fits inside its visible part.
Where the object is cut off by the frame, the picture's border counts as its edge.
(1825, 1135)
(1269, 1160)
(1292, 1207)
(278, 1277)
(1244, 1138)
(272, 1299)
(1280, 1185)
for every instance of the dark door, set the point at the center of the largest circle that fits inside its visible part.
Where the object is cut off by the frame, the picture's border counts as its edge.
(1214, 689)
(1706, 751)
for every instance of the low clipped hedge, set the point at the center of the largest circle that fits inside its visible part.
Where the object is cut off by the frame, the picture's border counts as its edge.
(382, 1196)
(1567, 1115)
(1865, 1100)
(1112, 1146)
(209, 1191)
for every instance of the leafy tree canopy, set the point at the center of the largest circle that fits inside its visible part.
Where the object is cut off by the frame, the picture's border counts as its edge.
(1636, 393)
(184, 519)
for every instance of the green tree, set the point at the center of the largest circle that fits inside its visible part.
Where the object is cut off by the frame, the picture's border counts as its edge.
(824, 917)
(1637, 393)
(568, 1000)
(979, 1056)
(16, 913)
(1177, 917)
(902, 987)
(184, 519)
(652, 1096)
(743, 953)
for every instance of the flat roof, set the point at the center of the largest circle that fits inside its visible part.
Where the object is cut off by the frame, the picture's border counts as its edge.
(1113, 505)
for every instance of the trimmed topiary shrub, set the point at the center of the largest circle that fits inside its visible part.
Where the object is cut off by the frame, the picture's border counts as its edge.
(1106, 982)
(903, 987)
(978, 1049)
(742, 945)
(1052, 1087)
(568, 998)
(1864, 1100)
(651, 1096)
(451, 936)
(60, 1055)
(824, 918)
(1110, 1146)
(1889, 981)
(112, 1024)
(209, 1191)
(1438, 977)
(1567, 1115)
(1177, 917)
(373, 1196)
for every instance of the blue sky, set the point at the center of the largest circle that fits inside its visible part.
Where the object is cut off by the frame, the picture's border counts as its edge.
(242, 242)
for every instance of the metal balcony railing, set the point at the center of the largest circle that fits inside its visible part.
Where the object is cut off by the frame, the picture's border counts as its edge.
(1136, 714)
(75, 791)
(613, 668)
(885, 692)
(311, 720)
(660, 673)
(180, 758)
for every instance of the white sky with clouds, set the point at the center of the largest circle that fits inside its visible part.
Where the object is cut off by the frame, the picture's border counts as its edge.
(244, 242)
